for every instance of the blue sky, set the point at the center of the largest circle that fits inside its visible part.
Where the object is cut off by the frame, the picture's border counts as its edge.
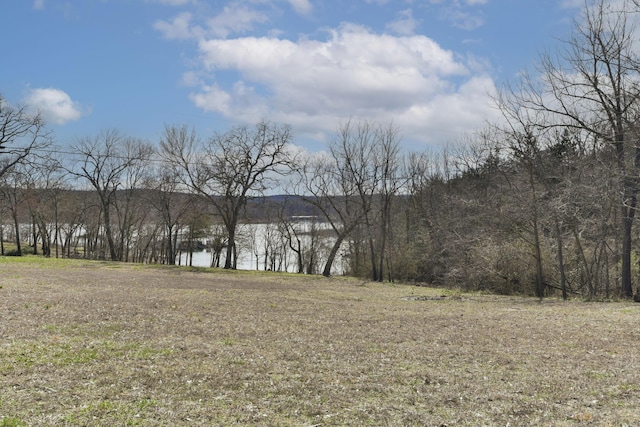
(136, 65)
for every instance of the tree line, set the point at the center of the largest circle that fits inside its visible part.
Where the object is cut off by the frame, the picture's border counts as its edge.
(541, 202)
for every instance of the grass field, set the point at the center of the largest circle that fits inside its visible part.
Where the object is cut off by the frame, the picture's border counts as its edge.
(99, 344)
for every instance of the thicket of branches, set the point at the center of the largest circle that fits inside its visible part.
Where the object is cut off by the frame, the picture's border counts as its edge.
(542, 202)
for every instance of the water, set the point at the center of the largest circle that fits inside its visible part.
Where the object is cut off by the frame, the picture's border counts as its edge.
(263, 247)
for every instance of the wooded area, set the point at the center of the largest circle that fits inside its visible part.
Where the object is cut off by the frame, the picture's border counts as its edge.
(541, 203)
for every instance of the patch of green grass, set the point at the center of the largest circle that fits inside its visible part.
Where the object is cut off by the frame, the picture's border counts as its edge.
(11, 422)
(144, 404)
(40, 261)
(599, 375)
(52, 328)
(110, 412)
(27, 355)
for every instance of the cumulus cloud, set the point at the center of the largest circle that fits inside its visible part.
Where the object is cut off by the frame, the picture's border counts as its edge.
(55, 105)
(312, 84)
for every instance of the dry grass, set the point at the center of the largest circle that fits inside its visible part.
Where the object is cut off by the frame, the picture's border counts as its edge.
(97, 344)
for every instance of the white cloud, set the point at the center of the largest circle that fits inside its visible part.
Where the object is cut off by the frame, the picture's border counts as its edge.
(235, 18)
(462, 19)
(303, 7)
(55, 105)
(38, 4)
(179, 28)
(463, 14)
(405, 24)
(312, 84)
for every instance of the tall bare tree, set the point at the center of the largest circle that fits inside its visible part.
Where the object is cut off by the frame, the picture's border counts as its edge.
(104, 162)
(391, 180)
(172, 205)
(12, 193)
(592, 85)
(342, 185)
(230, 167)
(22, 134)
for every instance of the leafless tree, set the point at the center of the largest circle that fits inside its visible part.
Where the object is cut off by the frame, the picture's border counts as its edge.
(22, 134)
(592, 85)
(43, 189)
(12, 194)
(72, 213)
(171, 204)
(104, 161)
(341, 186)
(132, 214)
(230, 167)
(392, 180)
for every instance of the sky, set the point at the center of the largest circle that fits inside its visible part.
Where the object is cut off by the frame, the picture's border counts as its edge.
(427, 66)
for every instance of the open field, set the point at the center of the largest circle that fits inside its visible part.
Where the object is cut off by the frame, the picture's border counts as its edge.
(98, 344)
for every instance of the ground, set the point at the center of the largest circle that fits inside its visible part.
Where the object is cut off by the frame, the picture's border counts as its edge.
(102, 344)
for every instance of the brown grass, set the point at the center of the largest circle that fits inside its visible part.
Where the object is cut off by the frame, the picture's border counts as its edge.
(98, 344)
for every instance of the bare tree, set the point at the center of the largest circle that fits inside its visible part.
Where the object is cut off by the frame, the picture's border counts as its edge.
(12, 194)
(592, 85)
(341, 186)
(21, 134)
(131, 212)
(229, 168)
(392, 179)
(104, 162)
(172, 205)
(355, 188)
(44, 186)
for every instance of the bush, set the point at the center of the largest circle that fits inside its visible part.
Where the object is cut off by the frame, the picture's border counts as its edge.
(26, 250)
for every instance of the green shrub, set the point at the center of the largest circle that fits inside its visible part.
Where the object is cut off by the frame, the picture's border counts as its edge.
(26, 250)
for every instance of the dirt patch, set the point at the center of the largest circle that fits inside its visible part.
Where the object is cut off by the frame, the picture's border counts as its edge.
(99, 344)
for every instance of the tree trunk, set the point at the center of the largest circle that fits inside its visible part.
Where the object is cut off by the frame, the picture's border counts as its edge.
(56, 236)
(536, 236)
(332, 255)
(171, 254)
(228, 262)
(17, 228)
(109, 233)
(563, 278)
(374, 266)
(34, 235)
(625, 275)
(538, 256)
